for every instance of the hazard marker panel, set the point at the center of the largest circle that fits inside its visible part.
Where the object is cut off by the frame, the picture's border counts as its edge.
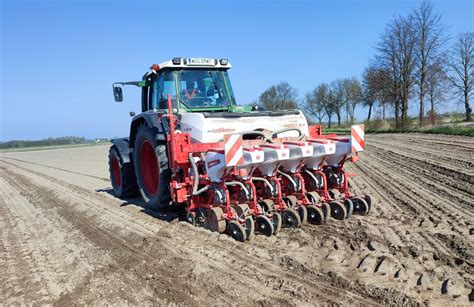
(233, 150)
(357, 138)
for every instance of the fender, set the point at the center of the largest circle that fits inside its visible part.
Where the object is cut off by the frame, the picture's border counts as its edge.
(123, 149)
(152, 118)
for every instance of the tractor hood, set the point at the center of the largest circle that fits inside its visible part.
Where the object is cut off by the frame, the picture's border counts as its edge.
(211, 127)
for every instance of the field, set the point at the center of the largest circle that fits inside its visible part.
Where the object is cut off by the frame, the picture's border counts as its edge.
(65, 238)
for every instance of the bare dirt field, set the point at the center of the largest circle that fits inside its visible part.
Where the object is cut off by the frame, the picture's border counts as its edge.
(66, 239)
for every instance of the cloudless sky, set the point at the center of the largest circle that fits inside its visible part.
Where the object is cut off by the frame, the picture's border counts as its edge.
(59, 58)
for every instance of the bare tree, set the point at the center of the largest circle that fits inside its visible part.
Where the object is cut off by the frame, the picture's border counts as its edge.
(279, 97)
(429, 37)
(437, 88)
(352, 96)
(316, 101)
(396, 54)
(462, 67)
(336, 101)
(370, 88)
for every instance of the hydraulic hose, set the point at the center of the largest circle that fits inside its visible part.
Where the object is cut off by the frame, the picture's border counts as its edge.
(275, 133)
(290, 179)
(196, 175)
(312, 177)
(266, 182)
(241, 185)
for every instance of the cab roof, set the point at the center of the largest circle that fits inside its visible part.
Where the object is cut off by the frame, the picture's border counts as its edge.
(195, 63)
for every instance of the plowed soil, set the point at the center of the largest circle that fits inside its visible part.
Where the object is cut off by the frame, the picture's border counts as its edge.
(65, 238)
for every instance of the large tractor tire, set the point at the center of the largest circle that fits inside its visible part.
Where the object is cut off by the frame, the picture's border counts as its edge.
(152, 169)
(122, 175)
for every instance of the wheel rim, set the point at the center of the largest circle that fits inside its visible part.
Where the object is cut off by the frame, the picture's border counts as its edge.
(315, 216)
(264, 225)
(291, 218)
(236, 231)
(149, 168)
(338, 211)
(360, 205)
(116, 170)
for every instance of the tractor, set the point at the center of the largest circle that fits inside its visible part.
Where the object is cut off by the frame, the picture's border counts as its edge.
(230, 168)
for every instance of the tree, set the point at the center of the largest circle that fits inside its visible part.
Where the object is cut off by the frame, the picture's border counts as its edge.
(336, 99)
(436, 88)
(462, 68)
(351, 96)
(429, 37)
(279, 97)
(396, 55)
(369, 89)
(376, 88)
(316, 101)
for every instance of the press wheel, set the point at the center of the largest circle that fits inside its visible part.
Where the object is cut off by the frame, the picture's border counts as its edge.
(349, 207)
(291, 200)
(338, 210)
(303, 213)
(277, 221)
(264, 225)
(326, 209)
(267, 205)
(291, 218)
(216, 223)
(242, 210)
(360, 205)
(249, 227)
(236, 231)
(315, 215)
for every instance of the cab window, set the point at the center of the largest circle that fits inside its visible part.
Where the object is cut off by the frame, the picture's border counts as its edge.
(163, 86)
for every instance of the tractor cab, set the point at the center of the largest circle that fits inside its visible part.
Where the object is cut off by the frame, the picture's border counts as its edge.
(194, 85)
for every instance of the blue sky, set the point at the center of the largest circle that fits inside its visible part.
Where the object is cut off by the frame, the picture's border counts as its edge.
(59, 58)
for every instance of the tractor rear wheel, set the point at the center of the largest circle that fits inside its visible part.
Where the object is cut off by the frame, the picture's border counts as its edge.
(122, 175)
(152, 169)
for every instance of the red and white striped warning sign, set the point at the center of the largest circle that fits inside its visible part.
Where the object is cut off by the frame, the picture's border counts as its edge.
(233, 150)
(357, 138)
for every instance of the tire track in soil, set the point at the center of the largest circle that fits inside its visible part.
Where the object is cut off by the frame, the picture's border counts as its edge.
(38, 245)
(285, 280)
(389, 256)
(384, 184)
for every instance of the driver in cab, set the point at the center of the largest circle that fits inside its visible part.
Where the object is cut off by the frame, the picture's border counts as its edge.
(190, 91)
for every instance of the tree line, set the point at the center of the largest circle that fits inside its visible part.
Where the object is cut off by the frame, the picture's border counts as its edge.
(66, 140)
(411, 66)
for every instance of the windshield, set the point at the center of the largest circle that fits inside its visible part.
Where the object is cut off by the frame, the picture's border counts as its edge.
(200, 88)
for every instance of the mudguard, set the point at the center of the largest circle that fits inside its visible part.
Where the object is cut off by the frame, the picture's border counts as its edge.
(153, 119)
(123, 149)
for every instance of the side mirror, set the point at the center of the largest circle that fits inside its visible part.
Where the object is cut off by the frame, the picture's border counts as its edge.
(118, 94)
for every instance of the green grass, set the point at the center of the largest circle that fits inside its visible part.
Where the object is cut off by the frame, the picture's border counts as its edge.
(335, 130)
(33, 148)
(455, 130)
